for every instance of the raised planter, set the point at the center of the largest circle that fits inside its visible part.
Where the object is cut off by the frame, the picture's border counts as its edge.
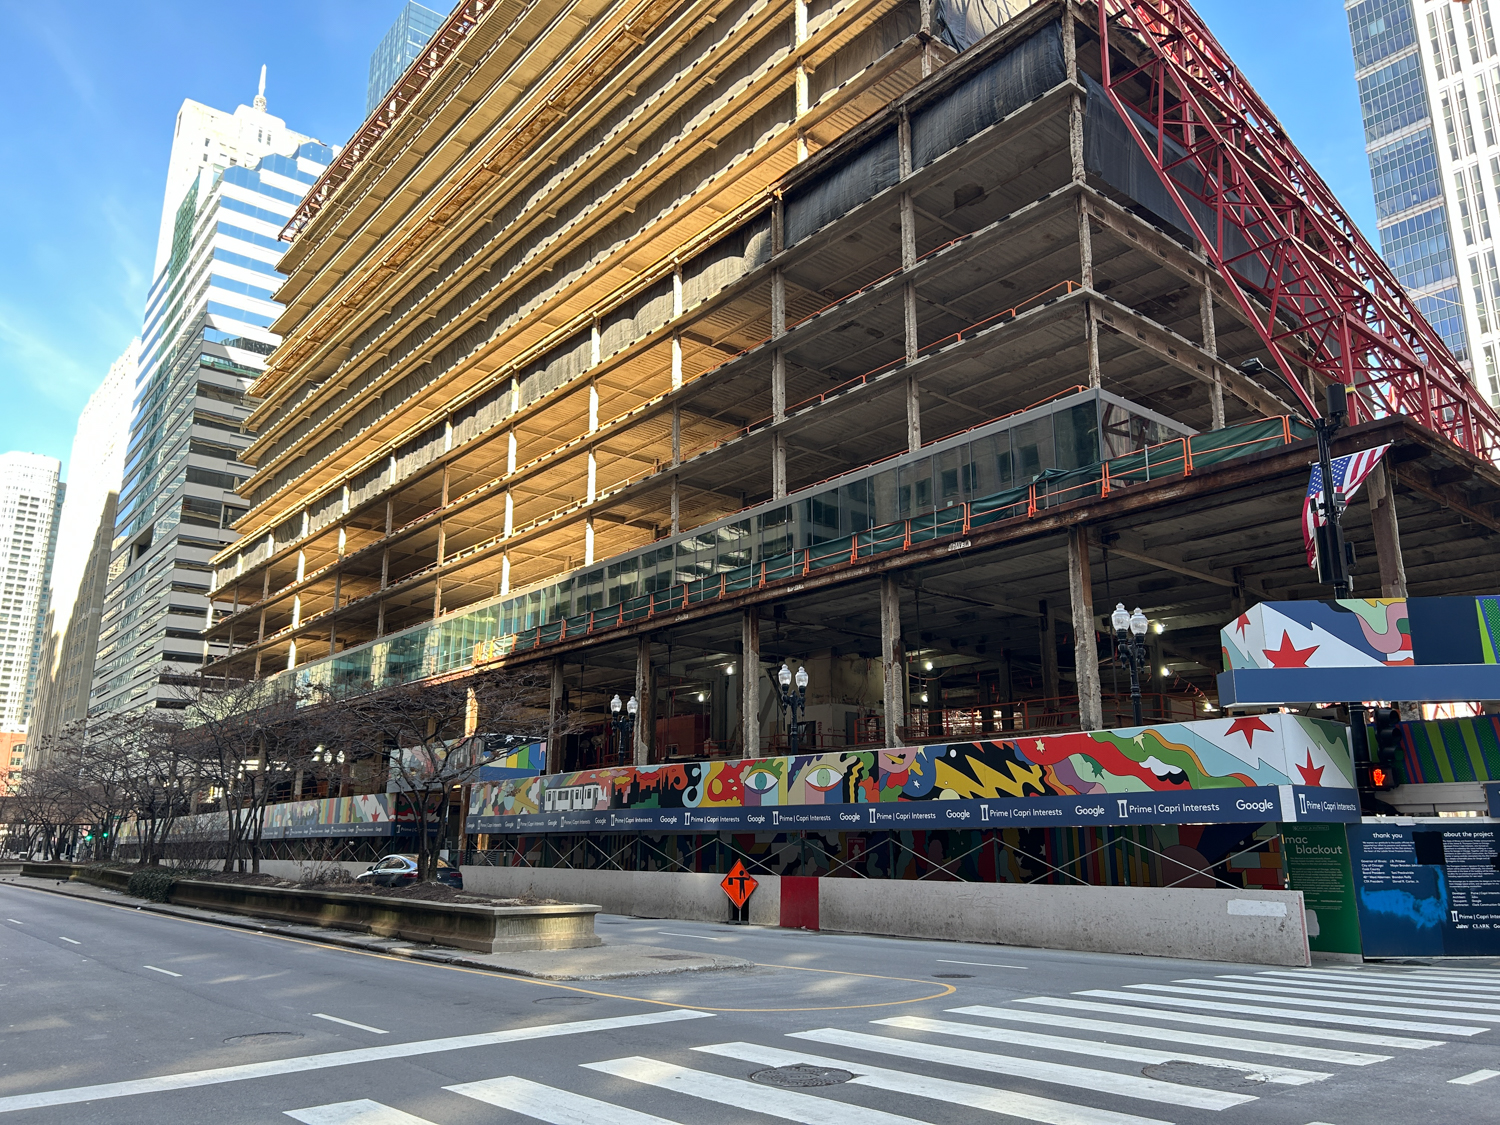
(485, 929)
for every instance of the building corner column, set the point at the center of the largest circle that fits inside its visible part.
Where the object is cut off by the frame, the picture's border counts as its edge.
(645, 703)
(750, 682)
(1085, 650)
(892, 659)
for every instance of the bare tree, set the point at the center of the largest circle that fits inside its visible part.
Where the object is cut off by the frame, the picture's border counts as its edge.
(433, 736)
(45, 809)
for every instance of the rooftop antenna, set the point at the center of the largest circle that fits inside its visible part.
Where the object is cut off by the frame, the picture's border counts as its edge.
(260, 95)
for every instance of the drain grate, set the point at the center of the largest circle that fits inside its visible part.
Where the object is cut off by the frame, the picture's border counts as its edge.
(257, 1037)
(953, 976)
(565, 1000)
(800, 1076)
(1196, 1074)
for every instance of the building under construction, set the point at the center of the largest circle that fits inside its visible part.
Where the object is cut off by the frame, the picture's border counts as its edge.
(667, 341)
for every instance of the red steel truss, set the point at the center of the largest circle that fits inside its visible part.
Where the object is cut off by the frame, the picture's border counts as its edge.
(1317, 292)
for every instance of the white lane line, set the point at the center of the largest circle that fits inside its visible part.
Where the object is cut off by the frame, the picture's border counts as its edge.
(1173, 1035)
(1475, 1008)
(1007, 1102)
(69, 940)
(982, 964)
(786, 1104)
(1282, 1075)
(1337, 1035)
(362, 1112)
(1383, 986)
(302, 1064)
(556, 1107)
(163, 972)
(1282, 996)
(350, 1023)
(696, 937)
(1076, 1077)
(17, 921)
(1472, 1079)
(1285, 1013)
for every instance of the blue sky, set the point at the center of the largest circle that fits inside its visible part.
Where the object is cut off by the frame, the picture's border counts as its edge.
(91, 90)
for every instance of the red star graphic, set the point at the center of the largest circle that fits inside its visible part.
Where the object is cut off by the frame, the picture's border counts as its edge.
(1288, 655)
(1311, 774)
(1248, 727)
(1241, 623)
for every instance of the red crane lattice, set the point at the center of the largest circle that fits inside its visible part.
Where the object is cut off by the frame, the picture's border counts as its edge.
(1316, 291)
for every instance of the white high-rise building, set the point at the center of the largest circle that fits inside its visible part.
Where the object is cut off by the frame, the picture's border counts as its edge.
(30, 496)
(70, 631)
(1429, 91)
(233, 181)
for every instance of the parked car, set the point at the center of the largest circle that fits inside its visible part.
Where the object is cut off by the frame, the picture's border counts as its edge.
(401, 871)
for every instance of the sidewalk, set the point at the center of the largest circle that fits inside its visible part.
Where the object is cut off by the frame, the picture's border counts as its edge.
(606, 962)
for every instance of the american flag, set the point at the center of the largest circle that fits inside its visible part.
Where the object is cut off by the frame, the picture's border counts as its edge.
(1349, 473)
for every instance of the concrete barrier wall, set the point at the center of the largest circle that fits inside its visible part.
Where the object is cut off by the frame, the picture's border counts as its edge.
(1259, 927)
(295, 870)
(1255, 927)
(686, 895)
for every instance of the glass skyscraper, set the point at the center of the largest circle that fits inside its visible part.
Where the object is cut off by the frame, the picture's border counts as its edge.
(399, 49)
(1429, 92)
(204, 341)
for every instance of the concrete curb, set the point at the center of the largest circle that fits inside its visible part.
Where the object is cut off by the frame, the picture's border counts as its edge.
(499, 963)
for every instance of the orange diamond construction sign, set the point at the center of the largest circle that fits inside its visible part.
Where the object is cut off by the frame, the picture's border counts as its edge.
(738, 885)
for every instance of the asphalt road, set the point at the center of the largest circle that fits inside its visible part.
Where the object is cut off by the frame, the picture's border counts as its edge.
(111, 1014)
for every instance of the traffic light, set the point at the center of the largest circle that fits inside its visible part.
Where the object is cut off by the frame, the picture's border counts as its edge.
(1387, 729)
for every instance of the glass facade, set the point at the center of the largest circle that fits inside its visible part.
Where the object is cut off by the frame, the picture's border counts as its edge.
(1052, 454)
(1405, 174)
(1380, 29)
(399, 49)
(1393, 97)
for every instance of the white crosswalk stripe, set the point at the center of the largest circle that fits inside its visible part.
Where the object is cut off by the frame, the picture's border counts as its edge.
(789, 1105)
(1286, 1076)
(1190, 1001)
(556, 1107)
(1026, 1106)
(1081, 1077)
(1072, 1044)
(1174, 1035)
(1290, 996)
(1135, 1009)
(1473, 1008)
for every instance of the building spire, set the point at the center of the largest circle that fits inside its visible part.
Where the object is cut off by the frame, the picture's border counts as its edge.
(260, 95)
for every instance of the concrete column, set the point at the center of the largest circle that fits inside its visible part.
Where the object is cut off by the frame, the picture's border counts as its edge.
(588, 541)
(645, 699)
(1091, 334)
(676, 436)
(593, 476)
(1075, 138)
(510, 452)
(380, 618)
(301, 565)
(505, 574)
(1048, 637)
(750, 682)
(555, 720)
(1387, 532)
(291, 655)
(1085, 248)
(913, 415)
(593, 406)
(437, 599)
(510, 514)
(778, 466)
(676, 507)
(778, 384)
(1085, 652)
(1211, 346)
(892, 659)
(677, 348)
(385, 568)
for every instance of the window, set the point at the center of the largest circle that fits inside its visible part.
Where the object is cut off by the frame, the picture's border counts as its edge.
(1465, 121)
(1448, 127)
(1491, 375)
(1486, 121)
(1437, 46)
(1418, 249)
(1452, 37)
(1380, 28)
(1392, 97)
(1489, 27)
(1481, 307)
(1471, 33)
(1465, 220)
(1492, 268)
(1476, 181)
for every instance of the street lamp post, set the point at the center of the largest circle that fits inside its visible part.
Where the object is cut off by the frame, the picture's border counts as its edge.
(624, 725)
(791, 700)
(1130, 642)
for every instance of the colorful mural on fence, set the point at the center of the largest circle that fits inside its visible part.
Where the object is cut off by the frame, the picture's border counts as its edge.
(1364, 633)
(368, 814)
(518, 761)
(1451, 750)
(1213, 754)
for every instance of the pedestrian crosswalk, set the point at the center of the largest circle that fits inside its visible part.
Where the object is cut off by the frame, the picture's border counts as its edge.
(1141, 1054)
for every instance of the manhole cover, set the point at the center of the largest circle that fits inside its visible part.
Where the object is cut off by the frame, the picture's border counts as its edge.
(565, 1000)
(800, 1076)
(954, 976)
(674, 956)
(1196, 1074)
(257, 1037)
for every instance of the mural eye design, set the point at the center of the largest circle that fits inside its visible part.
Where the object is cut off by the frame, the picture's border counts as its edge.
(762, 781)
(823, 779)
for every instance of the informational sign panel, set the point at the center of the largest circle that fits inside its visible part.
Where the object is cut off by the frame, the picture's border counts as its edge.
(1427, 890)
(1317, 864)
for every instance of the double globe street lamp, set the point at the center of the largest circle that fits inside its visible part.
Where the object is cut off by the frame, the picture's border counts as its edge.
(791, 700)
(1130, 642)
(624, 725)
